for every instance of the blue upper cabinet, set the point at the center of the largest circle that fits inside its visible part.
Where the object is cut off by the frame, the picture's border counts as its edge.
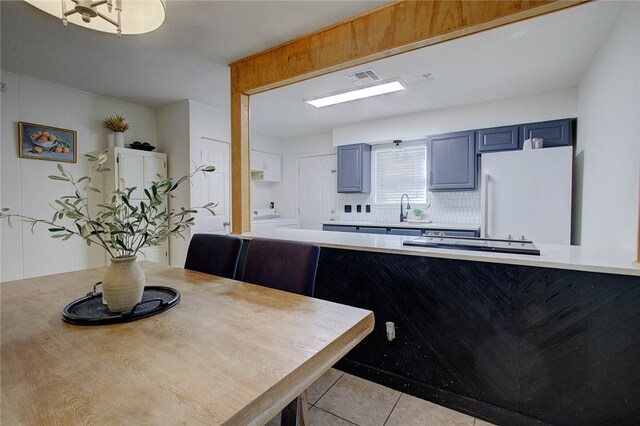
(503, 138)
(554, 133)
(354, 168)
(452, 161)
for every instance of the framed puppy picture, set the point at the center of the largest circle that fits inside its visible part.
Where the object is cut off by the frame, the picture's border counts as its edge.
(39, 142)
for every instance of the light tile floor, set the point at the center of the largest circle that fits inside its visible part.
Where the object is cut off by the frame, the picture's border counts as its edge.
(338, 399)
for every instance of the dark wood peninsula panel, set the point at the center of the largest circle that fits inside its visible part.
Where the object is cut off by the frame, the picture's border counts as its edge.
(507, 343)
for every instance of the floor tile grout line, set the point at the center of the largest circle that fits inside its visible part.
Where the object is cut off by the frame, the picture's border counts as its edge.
(325, 392)
(394, 407)
(335, 415)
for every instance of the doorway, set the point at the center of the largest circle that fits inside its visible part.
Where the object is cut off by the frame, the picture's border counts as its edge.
(216, 188)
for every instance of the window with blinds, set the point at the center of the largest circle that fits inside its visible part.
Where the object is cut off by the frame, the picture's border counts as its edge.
(400, 170)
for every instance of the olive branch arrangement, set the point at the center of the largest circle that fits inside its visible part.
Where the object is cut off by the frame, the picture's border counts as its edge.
(122, 226)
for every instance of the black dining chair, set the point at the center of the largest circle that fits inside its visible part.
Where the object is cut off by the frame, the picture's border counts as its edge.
(283, 265)
(214, 254)
(288, 266)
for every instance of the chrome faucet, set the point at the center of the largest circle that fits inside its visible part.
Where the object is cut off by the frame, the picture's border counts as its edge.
(403, 217)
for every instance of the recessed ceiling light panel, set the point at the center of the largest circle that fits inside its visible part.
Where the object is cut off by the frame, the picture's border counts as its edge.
(360, 93)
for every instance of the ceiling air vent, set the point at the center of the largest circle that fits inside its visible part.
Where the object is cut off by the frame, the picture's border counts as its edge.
(364, 77)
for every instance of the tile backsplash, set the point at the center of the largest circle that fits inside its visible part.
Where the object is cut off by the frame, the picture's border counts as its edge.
(462, 207)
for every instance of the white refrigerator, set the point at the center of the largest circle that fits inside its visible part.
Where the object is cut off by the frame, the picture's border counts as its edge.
(527, 193)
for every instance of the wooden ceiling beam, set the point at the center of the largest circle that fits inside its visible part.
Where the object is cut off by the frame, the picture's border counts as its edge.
(394, 28)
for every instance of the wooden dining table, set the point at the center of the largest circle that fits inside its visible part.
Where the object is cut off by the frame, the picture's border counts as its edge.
(228, 353)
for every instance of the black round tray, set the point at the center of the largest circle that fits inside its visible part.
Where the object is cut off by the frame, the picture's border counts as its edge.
(90, 310)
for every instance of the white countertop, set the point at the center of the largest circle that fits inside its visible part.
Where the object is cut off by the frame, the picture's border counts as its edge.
(413, 225)
(592, 259)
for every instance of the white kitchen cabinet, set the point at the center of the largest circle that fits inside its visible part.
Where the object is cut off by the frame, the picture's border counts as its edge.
(265, 167)
(129, 168)
(158, 254)
(129, 172)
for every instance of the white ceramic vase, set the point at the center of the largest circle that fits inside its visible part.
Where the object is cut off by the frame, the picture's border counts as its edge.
(118, 138)
(123, 284)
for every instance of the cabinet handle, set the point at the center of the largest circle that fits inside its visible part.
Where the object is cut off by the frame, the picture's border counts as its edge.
(430, 176)
(358, 181)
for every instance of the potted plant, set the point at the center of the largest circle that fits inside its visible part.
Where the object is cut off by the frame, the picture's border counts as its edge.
(121, 226)
(118, 125)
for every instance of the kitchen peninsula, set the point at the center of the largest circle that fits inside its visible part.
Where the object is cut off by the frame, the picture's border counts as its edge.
(514, 339)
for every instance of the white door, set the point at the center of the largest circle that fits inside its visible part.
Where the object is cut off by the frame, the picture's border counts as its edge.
(317, 187)
(215, 187)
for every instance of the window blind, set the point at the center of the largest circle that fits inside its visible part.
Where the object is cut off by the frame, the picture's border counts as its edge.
(398, 171)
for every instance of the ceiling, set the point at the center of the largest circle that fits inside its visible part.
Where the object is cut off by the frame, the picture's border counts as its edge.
(187, 57)
(533, 56)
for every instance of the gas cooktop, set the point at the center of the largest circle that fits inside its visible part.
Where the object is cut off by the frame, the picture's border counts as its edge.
(521, 246)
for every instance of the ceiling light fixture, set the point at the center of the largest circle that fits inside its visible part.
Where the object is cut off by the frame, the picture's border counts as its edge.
(114, 16)
(359, 93)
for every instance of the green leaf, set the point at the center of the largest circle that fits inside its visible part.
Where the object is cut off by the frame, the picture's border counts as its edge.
(61, 169)
(95, 190)
(56, 229)
(121, 244)
(54, 177)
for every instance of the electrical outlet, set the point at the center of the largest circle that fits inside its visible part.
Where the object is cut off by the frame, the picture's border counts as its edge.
(3, 87)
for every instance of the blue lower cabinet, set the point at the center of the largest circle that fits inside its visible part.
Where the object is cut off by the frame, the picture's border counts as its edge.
(339, 228)
(553, 133)
(503, 138)
(402, 231)
(372, 230)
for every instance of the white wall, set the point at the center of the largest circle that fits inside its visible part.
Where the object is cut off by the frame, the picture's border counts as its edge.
(25, 187)
(520, 109)
(608, 151)
(285, 194)
(181, 126)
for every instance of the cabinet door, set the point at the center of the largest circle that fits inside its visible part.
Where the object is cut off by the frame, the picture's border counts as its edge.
(372, 230)
(403, 231)
(339, 228)
(554, 133)
(257, 161)
(158, 254)
(272, 167)
(154, 166)
(354, 168)
(452, 161)
(498, 139)
(131, 173)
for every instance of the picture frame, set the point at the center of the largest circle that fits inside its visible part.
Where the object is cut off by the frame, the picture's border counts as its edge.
(40, 142)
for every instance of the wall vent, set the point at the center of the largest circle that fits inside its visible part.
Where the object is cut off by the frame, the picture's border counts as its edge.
(364, 77)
